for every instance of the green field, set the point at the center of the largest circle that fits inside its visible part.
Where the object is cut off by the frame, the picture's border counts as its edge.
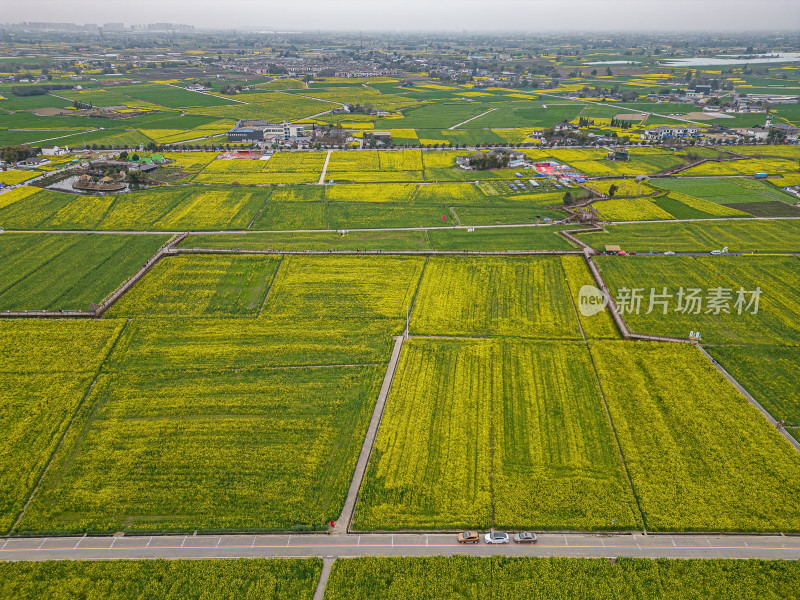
(770, 373)
(558, 578)
(741, 236)
(724, 190)
(474, 429)
(68, 272)
(711, 301)
(194, 286)
(700, 457)
(179, 208)
(344, 288)
(275, 579)
(209, 450)
(46, 371)
(232, 344)
(494, 296)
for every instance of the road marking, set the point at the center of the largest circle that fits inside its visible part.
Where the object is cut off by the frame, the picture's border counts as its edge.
(148, 541)
(603, 542)
(359, 540)
(288, 540)
(218, 541)
(710, 545)
(392, 540)
(39, 547)
(566, 541)
(184, 541)
(4, 545)
(426, 540)
(673, 541)
(254, 542)
(114, 541)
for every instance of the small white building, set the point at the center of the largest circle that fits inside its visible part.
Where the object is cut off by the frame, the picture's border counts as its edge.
(50, 150)
(668, 131)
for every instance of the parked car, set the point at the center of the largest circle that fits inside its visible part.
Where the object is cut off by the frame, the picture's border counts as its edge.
(716, 252)
(469, 537)
(496, 537)
(669, 253)
(525, 537)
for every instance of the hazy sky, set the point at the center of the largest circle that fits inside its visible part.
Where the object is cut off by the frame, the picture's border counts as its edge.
(415, 15)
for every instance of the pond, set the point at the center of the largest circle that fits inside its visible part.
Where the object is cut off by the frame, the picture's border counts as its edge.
(726, 59)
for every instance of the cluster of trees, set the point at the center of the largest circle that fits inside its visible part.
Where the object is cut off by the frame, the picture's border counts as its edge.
(621, 124)
(490, 160)
(231, 89)
(82, 105)
(14, 154)
(37, 90)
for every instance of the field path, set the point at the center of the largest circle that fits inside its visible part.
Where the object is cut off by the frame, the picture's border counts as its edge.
(324, 169)
(205, 94)
(327, 564)
(472, 119)
(343, 523)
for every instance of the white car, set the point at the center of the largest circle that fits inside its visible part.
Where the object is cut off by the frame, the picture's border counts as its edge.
(716, 252)
(497, 537)
(669, 253)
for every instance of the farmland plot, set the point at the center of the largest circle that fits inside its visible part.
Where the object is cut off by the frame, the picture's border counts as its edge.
(555, 463)
(770, 373)
(209, 450)
(45, 371)
(276, 579)
(557, 578)
(68, 272)
(430, 464)
(191, 285)
(357, 288)
(382, 192)
(519, 297)
(215, 343)
(703, 294)
(701, 458)
(744, 236)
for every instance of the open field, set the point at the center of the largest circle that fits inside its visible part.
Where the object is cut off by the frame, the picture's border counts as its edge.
(495, 407)
(201, 286)
(352, 287)
(503, 578)
(703, 294)
(276, 579)
(209, 450)
(232, 344)
(744, 236)
(518, 297)
(770, 373)
(68, 272)
(179, 208)
(700, 457)
(46, 371)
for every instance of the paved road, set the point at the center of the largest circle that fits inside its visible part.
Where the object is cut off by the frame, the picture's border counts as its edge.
(553, 544)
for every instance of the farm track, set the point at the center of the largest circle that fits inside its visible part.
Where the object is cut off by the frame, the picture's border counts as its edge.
(342, 525)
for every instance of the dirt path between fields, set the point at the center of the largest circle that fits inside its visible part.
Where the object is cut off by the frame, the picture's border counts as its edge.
(343, 523)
